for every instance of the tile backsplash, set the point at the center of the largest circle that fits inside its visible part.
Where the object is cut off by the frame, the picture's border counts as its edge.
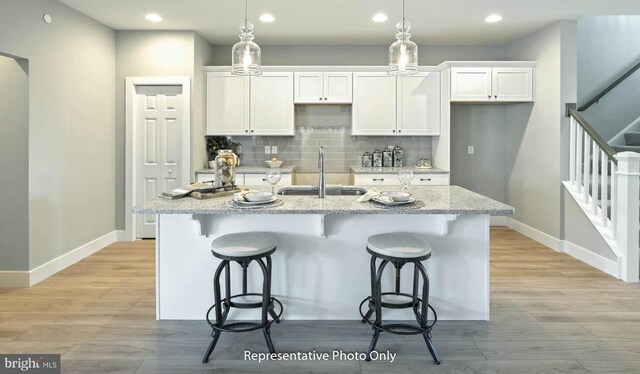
(329, 126)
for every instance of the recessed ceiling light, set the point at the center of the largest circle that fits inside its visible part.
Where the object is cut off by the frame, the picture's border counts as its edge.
(380, 17)
(267, 17)
(493, 18)
(153, 17)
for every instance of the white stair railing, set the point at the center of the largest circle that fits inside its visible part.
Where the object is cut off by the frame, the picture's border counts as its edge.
(607, 187)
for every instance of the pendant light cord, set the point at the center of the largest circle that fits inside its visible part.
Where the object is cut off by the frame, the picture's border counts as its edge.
(246, 11)
(403, 19)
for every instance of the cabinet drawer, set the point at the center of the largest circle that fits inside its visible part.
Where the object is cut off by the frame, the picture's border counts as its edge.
(430, 180)
(260, 180)
(205, 177)
(392, 180)
(376, 179)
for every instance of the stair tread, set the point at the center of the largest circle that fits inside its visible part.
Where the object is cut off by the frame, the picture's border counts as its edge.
(625, 148)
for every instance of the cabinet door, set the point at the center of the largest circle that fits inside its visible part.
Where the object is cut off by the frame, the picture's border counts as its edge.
(227, 104)
(338, 88)
(419, 104)
(374, 104)
(309, 88)
(512, 84)
(471, 84)
(272, 104)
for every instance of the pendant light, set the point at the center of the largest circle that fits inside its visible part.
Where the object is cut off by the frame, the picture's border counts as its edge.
(403, 53)
(245, 55)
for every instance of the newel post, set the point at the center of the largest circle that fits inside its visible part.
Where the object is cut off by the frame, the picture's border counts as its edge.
(628, 205)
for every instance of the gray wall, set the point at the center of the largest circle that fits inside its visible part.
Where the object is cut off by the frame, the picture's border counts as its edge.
(365, 55)
(485, 128)
(607, 47)
(14, 161)
(203, 56)
(533, 135)
(141, 54)
(71, 123)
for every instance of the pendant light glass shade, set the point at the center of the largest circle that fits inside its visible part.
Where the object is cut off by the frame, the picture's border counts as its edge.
(403, 54)
(245, 55)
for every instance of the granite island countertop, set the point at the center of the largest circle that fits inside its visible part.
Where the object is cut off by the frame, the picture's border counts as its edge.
(437, 200)
(284, 169)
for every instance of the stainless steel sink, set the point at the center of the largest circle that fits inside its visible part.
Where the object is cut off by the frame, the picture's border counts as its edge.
(315, 190)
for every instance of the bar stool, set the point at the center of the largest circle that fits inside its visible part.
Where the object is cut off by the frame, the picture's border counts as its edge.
(399, 249)
(243, 248)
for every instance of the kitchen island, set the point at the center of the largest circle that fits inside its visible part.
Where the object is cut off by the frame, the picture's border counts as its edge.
(321, 266)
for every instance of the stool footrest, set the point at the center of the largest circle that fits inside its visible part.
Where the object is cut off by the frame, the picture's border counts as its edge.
(252, 326)
(397, 328)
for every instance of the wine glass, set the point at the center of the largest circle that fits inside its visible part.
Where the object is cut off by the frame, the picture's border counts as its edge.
(405, 178)
(273, 177)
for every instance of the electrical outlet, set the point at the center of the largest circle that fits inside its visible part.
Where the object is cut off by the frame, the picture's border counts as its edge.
(274, 149)
(470, 150)
(267, 149)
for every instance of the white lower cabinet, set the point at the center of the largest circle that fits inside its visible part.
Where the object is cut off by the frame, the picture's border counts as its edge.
(392, 180)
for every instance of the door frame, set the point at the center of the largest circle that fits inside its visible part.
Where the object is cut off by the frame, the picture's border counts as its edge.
(131, 140)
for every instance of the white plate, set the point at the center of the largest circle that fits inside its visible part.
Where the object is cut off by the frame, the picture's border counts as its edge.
(258, 196)
(397, 196)
(392, 203)
(244, 202)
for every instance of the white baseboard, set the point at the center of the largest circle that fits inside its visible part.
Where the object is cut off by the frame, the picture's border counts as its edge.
(44, 271)
(498, 221)
(597, 261)
(535, 234)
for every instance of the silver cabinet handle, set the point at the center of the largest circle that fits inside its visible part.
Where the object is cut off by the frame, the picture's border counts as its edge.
(425, 179)
(378, 179)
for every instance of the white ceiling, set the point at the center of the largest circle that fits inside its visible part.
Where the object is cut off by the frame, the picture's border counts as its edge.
(451, 22)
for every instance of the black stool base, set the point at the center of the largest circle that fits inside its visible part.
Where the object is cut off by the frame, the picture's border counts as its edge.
(419, 305)
(267, 304)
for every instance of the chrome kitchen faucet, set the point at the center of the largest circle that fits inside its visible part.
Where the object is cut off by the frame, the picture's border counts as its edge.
(322, 182)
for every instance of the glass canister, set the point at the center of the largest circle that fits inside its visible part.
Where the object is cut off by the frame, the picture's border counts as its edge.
(377, 159)
(398, 156)
(367, 162)
(225, 163)
(387, 157)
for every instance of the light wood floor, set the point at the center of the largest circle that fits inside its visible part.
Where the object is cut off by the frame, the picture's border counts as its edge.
(549, 314)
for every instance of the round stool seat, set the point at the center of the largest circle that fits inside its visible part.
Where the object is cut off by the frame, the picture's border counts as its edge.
(399, 244)
(244, 244)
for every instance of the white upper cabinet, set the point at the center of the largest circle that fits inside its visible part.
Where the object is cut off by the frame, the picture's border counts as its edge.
(471, 84)
(227, 104)
(323, 88)
(338, 88)
(374, 104)
(272, 104)
(512, 84)
(419, 104)
(491, 84)
(309, 88)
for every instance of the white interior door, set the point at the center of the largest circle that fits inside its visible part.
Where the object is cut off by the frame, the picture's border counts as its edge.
(158, 126)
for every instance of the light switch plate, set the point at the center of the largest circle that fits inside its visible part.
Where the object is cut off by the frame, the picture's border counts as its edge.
(274, 149)
(470, 150)
(267, 149)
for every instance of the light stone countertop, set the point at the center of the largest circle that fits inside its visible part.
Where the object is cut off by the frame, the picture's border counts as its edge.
(437, 199)
(284, 169)
(396, 170)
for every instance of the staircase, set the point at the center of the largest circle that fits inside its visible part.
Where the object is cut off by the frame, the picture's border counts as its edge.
(631, 143)
(605, 183)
